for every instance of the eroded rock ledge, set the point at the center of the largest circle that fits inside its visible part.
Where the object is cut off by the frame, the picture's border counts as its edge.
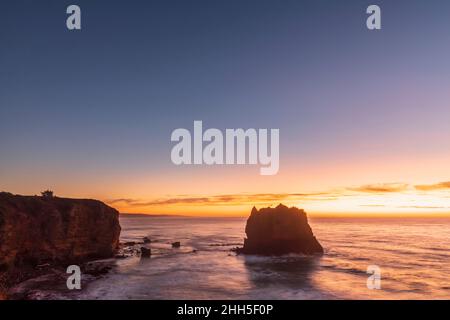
(278, 231)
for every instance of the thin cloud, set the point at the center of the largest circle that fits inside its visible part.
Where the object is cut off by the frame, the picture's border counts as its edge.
(422, 207)
(227, 199)
(274, 198)
(381, 188)
(177, 201)
(121, 200)
(170, 201)
(431, 187)
(372, 205)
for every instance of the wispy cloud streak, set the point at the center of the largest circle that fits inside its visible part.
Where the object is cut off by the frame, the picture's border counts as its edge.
(432, 187)
(381, 188)
(274, 198)
(228, 199)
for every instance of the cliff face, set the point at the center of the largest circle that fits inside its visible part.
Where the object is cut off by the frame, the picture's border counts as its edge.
(278, 231)
(37, 230)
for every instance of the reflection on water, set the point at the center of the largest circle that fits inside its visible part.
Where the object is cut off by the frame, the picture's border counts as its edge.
(292, 272)
(412, 254)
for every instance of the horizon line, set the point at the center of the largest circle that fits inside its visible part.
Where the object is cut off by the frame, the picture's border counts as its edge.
(309, 215)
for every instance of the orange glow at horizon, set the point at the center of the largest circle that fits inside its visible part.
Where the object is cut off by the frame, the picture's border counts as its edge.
(334, 185)
(375, 200)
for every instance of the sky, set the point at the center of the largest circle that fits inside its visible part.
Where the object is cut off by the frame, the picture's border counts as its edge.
(363, 115)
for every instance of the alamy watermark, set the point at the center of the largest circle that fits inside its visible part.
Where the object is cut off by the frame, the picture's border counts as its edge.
(373, 22)
(74, 280)
(374, 280)
(73, 21)
(235, 146)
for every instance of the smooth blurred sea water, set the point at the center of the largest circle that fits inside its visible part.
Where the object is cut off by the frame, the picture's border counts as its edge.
(413, 255)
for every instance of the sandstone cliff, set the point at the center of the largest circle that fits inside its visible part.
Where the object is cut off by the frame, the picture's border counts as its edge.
(36, 230)
(278, 231)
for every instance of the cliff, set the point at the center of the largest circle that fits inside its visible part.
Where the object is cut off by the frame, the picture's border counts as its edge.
(37, 230)
(278, 231)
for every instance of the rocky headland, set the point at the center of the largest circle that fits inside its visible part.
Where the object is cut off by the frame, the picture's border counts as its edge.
(39, 231)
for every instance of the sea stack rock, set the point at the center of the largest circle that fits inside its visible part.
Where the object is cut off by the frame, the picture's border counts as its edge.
(278, 231)
(36, 230)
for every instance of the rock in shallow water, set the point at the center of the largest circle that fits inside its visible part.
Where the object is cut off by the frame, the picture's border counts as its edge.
(176, 244)
(278, 231)
(147, 240)
(145, 252)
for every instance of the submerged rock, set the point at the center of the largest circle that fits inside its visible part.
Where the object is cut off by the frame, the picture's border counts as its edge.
(278, 231)
(176, 244)
(97, 269)
(147, 240)
(145, 252)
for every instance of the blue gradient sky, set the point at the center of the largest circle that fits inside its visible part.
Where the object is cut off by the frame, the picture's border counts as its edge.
(89, 113)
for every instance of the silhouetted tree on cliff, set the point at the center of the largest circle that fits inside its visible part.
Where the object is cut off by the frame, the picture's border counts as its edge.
(47, 194)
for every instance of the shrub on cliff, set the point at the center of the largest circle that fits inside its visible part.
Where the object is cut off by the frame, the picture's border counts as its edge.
(47, 194)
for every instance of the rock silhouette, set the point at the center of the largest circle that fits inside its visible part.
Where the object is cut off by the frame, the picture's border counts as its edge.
(147, 240)
(145, 252)
(278, 231)
(36, 230)
(176, 244)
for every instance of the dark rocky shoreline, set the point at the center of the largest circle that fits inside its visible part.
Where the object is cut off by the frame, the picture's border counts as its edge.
(40, 234)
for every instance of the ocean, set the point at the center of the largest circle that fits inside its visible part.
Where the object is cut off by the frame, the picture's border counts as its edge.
(412, 255)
